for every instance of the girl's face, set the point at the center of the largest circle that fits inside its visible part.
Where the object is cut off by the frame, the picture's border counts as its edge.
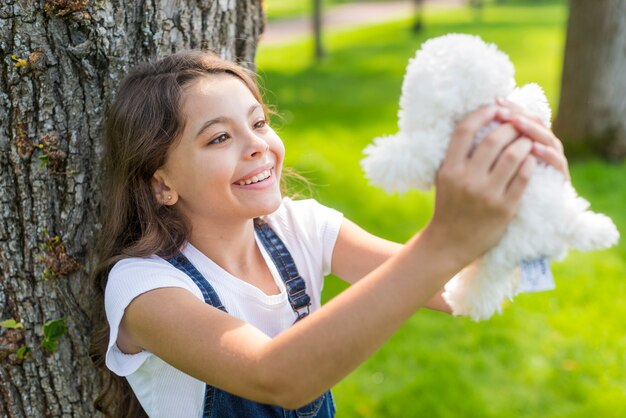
(227, 164)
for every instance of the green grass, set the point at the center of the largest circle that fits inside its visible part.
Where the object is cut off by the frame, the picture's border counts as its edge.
(553, 354)
(283, 9)
(286, 9)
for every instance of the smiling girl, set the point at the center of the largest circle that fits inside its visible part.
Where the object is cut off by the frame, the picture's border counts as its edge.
(210, 279)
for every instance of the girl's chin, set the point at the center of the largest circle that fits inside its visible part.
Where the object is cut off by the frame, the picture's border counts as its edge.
(270, 206)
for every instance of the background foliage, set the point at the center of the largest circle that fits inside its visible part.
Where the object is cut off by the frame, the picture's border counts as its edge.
(553, 354)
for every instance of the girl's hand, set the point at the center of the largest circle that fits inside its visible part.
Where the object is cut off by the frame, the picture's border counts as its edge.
(477, 194)
(546, 146)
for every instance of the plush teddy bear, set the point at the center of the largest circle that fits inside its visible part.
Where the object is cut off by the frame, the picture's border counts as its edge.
(449, 77)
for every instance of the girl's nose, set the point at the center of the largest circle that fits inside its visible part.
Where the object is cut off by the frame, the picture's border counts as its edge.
(258, 147)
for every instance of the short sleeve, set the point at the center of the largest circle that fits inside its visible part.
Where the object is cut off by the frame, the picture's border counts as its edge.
(329, 225)
(314, 224)
(128, 279)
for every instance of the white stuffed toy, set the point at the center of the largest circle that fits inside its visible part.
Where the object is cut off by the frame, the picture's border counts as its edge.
(450, 77)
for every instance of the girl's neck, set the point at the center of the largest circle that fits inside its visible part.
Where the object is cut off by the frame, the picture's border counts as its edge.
(232, 245)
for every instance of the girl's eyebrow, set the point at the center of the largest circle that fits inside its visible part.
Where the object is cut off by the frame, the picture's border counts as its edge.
(222, 119)
(209, 123)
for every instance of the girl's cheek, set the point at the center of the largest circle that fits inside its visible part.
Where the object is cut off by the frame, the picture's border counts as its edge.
(280, 155)
(277, 147)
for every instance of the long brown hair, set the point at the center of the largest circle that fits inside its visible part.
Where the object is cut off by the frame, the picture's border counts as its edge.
(142, 124)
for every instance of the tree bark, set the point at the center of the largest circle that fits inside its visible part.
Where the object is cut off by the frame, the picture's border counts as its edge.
(418, 23)
(317, 29)
(593, 91)
(61, 63)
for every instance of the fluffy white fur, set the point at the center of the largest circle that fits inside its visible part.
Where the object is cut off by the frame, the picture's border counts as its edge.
(449, 77)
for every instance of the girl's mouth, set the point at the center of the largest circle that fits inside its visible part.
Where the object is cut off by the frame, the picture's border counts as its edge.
(257, 178)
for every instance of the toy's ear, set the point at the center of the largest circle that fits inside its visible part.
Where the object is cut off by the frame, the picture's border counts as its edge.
(532, 98)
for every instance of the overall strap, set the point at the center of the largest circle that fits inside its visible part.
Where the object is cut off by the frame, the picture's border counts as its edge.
(183, 264)
(226, 403)
(294, 283)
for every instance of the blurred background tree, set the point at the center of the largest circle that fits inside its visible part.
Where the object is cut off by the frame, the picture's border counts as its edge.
(317, 29)
(419, 15)
(592, 108)
(477, 6)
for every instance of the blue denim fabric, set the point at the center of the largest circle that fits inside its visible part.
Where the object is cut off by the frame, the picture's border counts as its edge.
(219, 403)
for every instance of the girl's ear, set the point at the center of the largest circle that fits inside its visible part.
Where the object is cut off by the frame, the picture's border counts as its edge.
(163, 193)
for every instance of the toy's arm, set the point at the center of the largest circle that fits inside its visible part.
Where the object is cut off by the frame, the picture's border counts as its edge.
(363, 253)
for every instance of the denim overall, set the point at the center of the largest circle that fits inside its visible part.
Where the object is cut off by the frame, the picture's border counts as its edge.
(219, 403)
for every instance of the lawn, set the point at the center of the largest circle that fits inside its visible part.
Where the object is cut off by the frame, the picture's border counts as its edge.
(282, 9)
(554, 354)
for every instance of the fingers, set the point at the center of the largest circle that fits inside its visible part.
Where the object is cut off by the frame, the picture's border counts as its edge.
(547, 147)
(552, 157)
(537, 132)
(487, 152)
(509, 163)
(464, 133)
(518, 183)
(509, 109)
(487, 156)
(530, 124)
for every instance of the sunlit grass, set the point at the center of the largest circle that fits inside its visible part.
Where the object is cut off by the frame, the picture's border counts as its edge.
(553, 354)
(283, 9)
(280, 9)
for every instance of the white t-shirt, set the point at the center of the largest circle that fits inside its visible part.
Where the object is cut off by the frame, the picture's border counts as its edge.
(308, 229)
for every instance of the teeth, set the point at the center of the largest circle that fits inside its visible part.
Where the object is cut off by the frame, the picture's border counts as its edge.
(255, 179)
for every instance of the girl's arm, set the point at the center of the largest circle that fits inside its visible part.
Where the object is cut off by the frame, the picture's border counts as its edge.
(476, 196)
(363, 253)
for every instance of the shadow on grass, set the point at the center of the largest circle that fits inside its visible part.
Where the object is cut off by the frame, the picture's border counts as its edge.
(359, 82)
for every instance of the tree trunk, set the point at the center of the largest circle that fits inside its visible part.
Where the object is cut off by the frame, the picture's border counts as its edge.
(418, 23)
(592, 110)
(61, 63)
(317, 29)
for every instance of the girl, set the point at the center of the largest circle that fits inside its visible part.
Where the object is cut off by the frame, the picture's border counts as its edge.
(211, 280)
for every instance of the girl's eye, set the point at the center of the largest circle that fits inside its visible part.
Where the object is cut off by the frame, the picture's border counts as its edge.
(219, 139)
(260, 123)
